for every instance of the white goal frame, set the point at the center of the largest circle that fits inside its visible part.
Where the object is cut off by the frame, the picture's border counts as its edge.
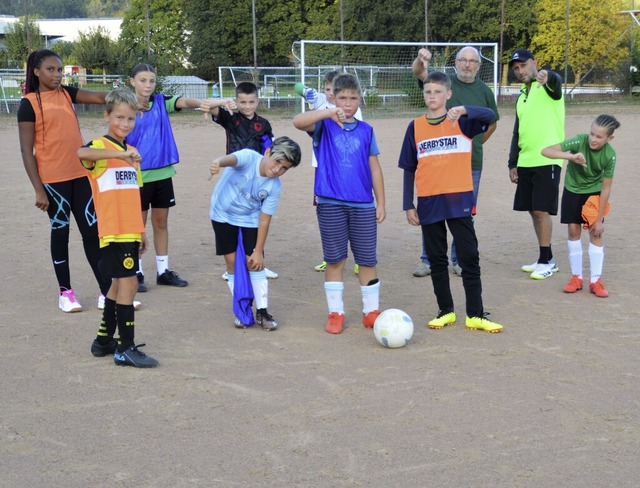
(483, 47)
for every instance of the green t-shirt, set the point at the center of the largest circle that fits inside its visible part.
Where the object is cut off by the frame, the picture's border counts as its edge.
(600, 164)
(478, 94)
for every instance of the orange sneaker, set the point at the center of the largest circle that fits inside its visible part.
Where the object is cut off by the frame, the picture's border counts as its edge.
(574, 285)
(598, 289)
(370, 318)
(335, 323)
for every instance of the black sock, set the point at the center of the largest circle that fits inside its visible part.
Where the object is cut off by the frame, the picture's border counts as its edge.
(545, 255)
(108, 323)
(126, 326)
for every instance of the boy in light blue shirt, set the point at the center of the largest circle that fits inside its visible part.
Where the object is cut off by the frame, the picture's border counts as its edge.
(244, 200)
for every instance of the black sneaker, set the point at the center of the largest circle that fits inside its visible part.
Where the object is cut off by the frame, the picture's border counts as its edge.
(134, 357)
(171, 278)
(264, 320)
(102, 350)
(142, 286)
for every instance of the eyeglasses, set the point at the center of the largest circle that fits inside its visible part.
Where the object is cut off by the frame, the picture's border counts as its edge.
(467, 61)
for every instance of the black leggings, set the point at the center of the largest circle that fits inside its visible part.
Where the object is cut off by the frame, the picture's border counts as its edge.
(66, 198)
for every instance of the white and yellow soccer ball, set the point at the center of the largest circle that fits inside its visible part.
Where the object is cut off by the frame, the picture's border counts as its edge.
(393, 328)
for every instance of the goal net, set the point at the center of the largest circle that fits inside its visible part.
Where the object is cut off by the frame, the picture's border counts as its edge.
(384, 69)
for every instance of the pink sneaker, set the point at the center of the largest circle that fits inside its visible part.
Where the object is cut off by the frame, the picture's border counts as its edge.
(68, 303)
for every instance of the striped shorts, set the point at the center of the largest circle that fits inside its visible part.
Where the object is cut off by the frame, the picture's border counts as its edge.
(341, 224)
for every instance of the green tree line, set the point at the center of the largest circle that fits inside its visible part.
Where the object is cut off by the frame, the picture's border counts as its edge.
(197, 36)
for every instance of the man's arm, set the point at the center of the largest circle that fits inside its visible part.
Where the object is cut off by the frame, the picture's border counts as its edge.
(514, 150)
(421, 64)
(553, 83)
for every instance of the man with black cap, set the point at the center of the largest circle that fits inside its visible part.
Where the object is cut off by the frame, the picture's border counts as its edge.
(539, 121)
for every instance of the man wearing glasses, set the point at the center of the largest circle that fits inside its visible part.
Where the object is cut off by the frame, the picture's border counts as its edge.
(466, 89)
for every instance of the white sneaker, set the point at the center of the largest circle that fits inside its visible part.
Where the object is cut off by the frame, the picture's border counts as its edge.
(422, 270)
(530, 268)
(225, 276)
(272, 275)
(542, 272)
(136, 304)
(457, 269)
(68, 303)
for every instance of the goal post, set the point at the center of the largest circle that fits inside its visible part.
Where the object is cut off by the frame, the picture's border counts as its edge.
(384, 69)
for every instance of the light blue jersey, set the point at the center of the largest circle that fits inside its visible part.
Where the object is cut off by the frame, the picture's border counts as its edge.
(241, 194)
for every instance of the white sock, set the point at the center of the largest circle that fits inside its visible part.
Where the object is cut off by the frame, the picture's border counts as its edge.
(260, 287)
(575, 257)
(370, 298)
(140, 265)
(333, 290)
(162, 263)
(230, 283)
(596, 260)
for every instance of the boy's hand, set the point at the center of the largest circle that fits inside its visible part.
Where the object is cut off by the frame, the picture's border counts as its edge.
(454, 113)
(231, 105)
(255, 261)
(412, 216)
(338, 116)
(579, 159)
(381, 214)
(214, 169)
(131, 156)
(143, 244)
(205, 106)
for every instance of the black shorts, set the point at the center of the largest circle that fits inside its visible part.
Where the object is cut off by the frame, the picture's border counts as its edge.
(571, 207)
(157, 194)
(120, 259)
(227, 238)
(538, 189)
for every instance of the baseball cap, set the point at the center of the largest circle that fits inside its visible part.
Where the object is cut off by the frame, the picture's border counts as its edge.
(521, 55)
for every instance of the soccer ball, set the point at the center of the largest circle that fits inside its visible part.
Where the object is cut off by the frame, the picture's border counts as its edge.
(393, 328)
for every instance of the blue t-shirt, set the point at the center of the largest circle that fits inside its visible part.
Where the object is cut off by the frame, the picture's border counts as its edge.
(241, 194)
(343, 176)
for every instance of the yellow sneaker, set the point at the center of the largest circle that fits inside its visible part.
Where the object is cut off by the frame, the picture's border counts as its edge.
(481, 323)
(356, 269)
(321, 267)
(442, 320)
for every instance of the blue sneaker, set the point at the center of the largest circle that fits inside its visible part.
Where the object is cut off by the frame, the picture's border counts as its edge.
(134, 357)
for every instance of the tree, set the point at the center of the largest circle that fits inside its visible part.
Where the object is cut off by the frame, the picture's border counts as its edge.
(227, 40)
(106, 8)
(15, 40)
(594, 30)
(168, 34)
(94, 49)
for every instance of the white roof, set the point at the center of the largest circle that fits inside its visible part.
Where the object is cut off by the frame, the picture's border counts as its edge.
(68, 29)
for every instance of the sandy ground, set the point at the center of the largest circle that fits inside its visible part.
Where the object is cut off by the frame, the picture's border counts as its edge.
(553, 401)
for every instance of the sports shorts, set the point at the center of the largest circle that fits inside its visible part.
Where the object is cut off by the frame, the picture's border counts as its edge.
(571, 206)
(119, 259)
(157, 194)
(227, 238)
(538, 189)
(341, 225)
